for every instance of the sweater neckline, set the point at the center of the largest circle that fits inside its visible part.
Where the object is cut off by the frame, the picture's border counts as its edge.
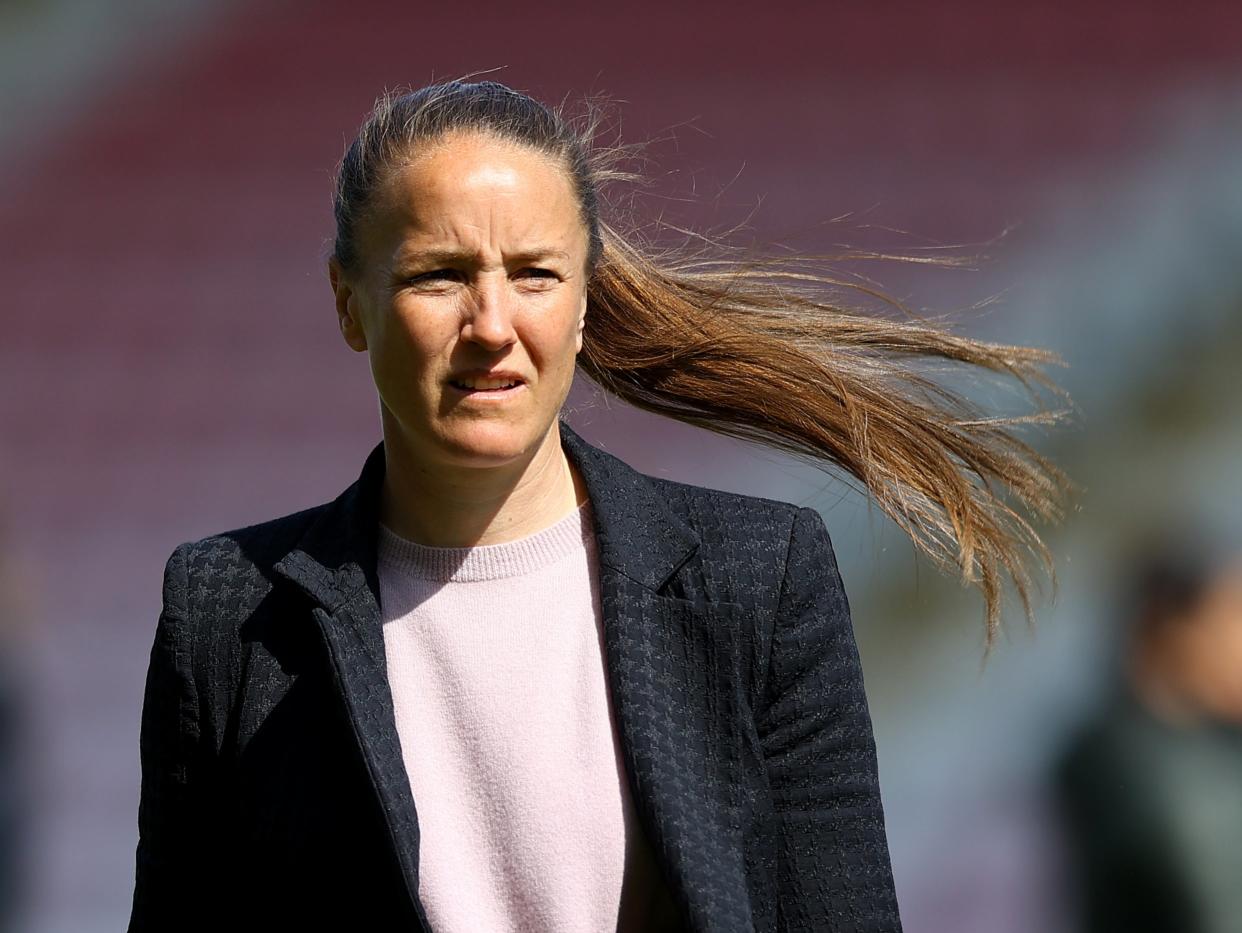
(475, 563)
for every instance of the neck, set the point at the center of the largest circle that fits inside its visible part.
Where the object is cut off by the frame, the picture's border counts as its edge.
(464, 507)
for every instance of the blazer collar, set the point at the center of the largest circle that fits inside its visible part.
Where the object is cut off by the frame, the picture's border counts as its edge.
(636, 533)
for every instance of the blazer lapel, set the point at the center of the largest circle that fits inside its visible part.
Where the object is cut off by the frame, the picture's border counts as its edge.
(672, 668)
(335, 565)
(674, 671)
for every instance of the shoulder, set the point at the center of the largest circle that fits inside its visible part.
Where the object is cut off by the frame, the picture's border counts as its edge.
(233, 568)
(696, 500)
(753, 549)
(741, 543)
(713, 514)
(261, 544)
(717, 515)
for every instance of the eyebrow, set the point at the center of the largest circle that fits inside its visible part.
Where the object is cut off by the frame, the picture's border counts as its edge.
(434, 256)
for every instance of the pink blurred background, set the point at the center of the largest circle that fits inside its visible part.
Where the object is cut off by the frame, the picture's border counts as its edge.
(170, 365)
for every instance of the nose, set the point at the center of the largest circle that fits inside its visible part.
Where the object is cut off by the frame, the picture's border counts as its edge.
(489, 319)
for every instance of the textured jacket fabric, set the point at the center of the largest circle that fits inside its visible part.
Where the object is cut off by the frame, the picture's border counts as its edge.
(274, 795)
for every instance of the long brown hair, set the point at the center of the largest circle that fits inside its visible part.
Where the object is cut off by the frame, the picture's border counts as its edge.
(757, 349)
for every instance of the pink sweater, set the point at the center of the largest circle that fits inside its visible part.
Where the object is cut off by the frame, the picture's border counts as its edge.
(496, 663)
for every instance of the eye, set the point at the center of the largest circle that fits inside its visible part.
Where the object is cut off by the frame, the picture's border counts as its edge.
(537, 273)
(436, 275)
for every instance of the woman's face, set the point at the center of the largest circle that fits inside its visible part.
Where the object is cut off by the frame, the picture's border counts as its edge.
(472, 261)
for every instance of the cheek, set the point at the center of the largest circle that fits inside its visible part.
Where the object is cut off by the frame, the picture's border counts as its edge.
(568, 341)
(417, 335)
(552, 336)
(410, 355)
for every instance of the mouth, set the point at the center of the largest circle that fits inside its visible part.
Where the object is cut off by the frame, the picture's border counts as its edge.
(487, 388)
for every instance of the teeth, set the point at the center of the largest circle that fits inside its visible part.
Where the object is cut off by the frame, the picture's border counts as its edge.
(486, 383)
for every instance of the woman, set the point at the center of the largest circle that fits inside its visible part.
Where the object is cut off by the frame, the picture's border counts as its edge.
(619, 702)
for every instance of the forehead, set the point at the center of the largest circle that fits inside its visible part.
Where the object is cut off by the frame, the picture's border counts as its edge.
(477, 191)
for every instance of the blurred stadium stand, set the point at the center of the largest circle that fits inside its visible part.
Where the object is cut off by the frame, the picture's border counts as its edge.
(169, 349)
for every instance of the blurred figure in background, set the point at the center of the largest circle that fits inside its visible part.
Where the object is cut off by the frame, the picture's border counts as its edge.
(1152, 789)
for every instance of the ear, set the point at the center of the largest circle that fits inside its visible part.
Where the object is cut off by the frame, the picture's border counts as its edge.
(581, 325)
(347, 309)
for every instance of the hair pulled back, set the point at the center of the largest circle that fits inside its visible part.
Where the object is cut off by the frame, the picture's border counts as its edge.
(754, 349)
(399, 124)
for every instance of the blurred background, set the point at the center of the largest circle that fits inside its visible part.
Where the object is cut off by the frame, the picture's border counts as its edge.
(170, 367)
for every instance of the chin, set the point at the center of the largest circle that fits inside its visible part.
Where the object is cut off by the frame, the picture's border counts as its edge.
(491, 444)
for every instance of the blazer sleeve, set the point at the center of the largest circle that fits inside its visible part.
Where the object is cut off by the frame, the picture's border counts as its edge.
(169, 888)
(833, 868)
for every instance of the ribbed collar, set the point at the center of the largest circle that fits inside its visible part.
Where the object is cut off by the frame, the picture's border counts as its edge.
(487, 561)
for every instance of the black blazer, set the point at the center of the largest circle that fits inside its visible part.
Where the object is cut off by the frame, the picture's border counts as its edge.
(274, 795)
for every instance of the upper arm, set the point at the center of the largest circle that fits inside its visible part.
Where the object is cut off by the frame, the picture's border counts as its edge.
(168, 810)
(819, 752)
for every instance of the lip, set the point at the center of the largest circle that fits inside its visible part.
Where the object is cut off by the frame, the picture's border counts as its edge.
(506, 374)
(487, 395)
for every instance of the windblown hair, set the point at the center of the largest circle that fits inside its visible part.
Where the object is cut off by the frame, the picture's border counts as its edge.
(757, 349)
